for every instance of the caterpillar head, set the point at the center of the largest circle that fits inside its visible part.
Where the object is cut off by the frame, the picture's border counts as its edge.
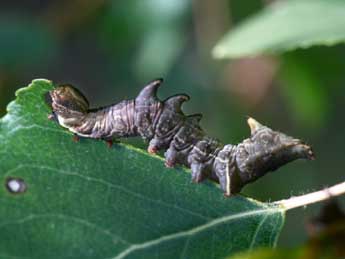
(267, 150)
(69, 105)
(67, 97)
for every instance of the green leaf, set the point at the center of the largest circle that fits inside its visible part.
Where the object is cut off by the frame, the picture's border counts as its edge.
(286, 25)
(84, 200)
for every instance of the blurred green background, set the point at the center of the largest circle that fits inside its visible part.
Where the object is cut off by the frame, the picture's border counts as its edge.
(110, 49)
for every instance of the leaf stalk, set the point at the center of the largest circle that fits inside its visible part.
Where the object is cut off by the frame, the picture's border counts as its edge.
(314, 197)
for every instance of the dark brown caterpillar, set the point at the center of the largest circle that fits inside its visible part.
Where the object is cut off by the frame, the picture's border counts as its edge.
(166, 127)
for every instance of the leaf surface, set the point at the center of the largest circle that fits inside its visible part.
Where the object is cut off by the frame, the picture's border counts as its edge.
(85, 200)
(286, 25)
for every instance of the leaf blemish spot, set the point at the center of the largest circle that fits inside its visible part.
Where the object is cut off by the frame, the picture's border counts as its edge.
(15, 185)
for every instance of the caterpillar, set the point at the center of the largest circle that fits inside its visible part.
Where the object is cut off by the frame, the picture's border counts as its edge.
(164, 125)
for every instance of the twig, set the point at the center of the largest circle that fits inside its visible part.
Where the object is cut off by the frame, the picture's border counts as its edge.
(303, 200)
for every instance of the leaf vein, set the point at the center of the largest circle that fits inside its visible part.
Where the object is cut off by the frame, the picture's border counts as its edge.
(80, 221)
(111, 185)
(195, 230)
(258, 228)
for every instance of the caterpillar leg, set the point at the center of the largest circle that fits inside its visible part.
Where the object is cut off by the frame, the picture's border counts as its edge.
(169, 164)
(198, 174)
(156, 144)
(52, 116)
(109, 143)
(170, 159)
(174, 156)
(152, 149)
(76, 138)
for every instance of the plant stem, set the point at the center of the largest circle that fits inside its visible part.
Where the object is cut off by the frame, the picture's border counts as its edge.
(310, 198)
